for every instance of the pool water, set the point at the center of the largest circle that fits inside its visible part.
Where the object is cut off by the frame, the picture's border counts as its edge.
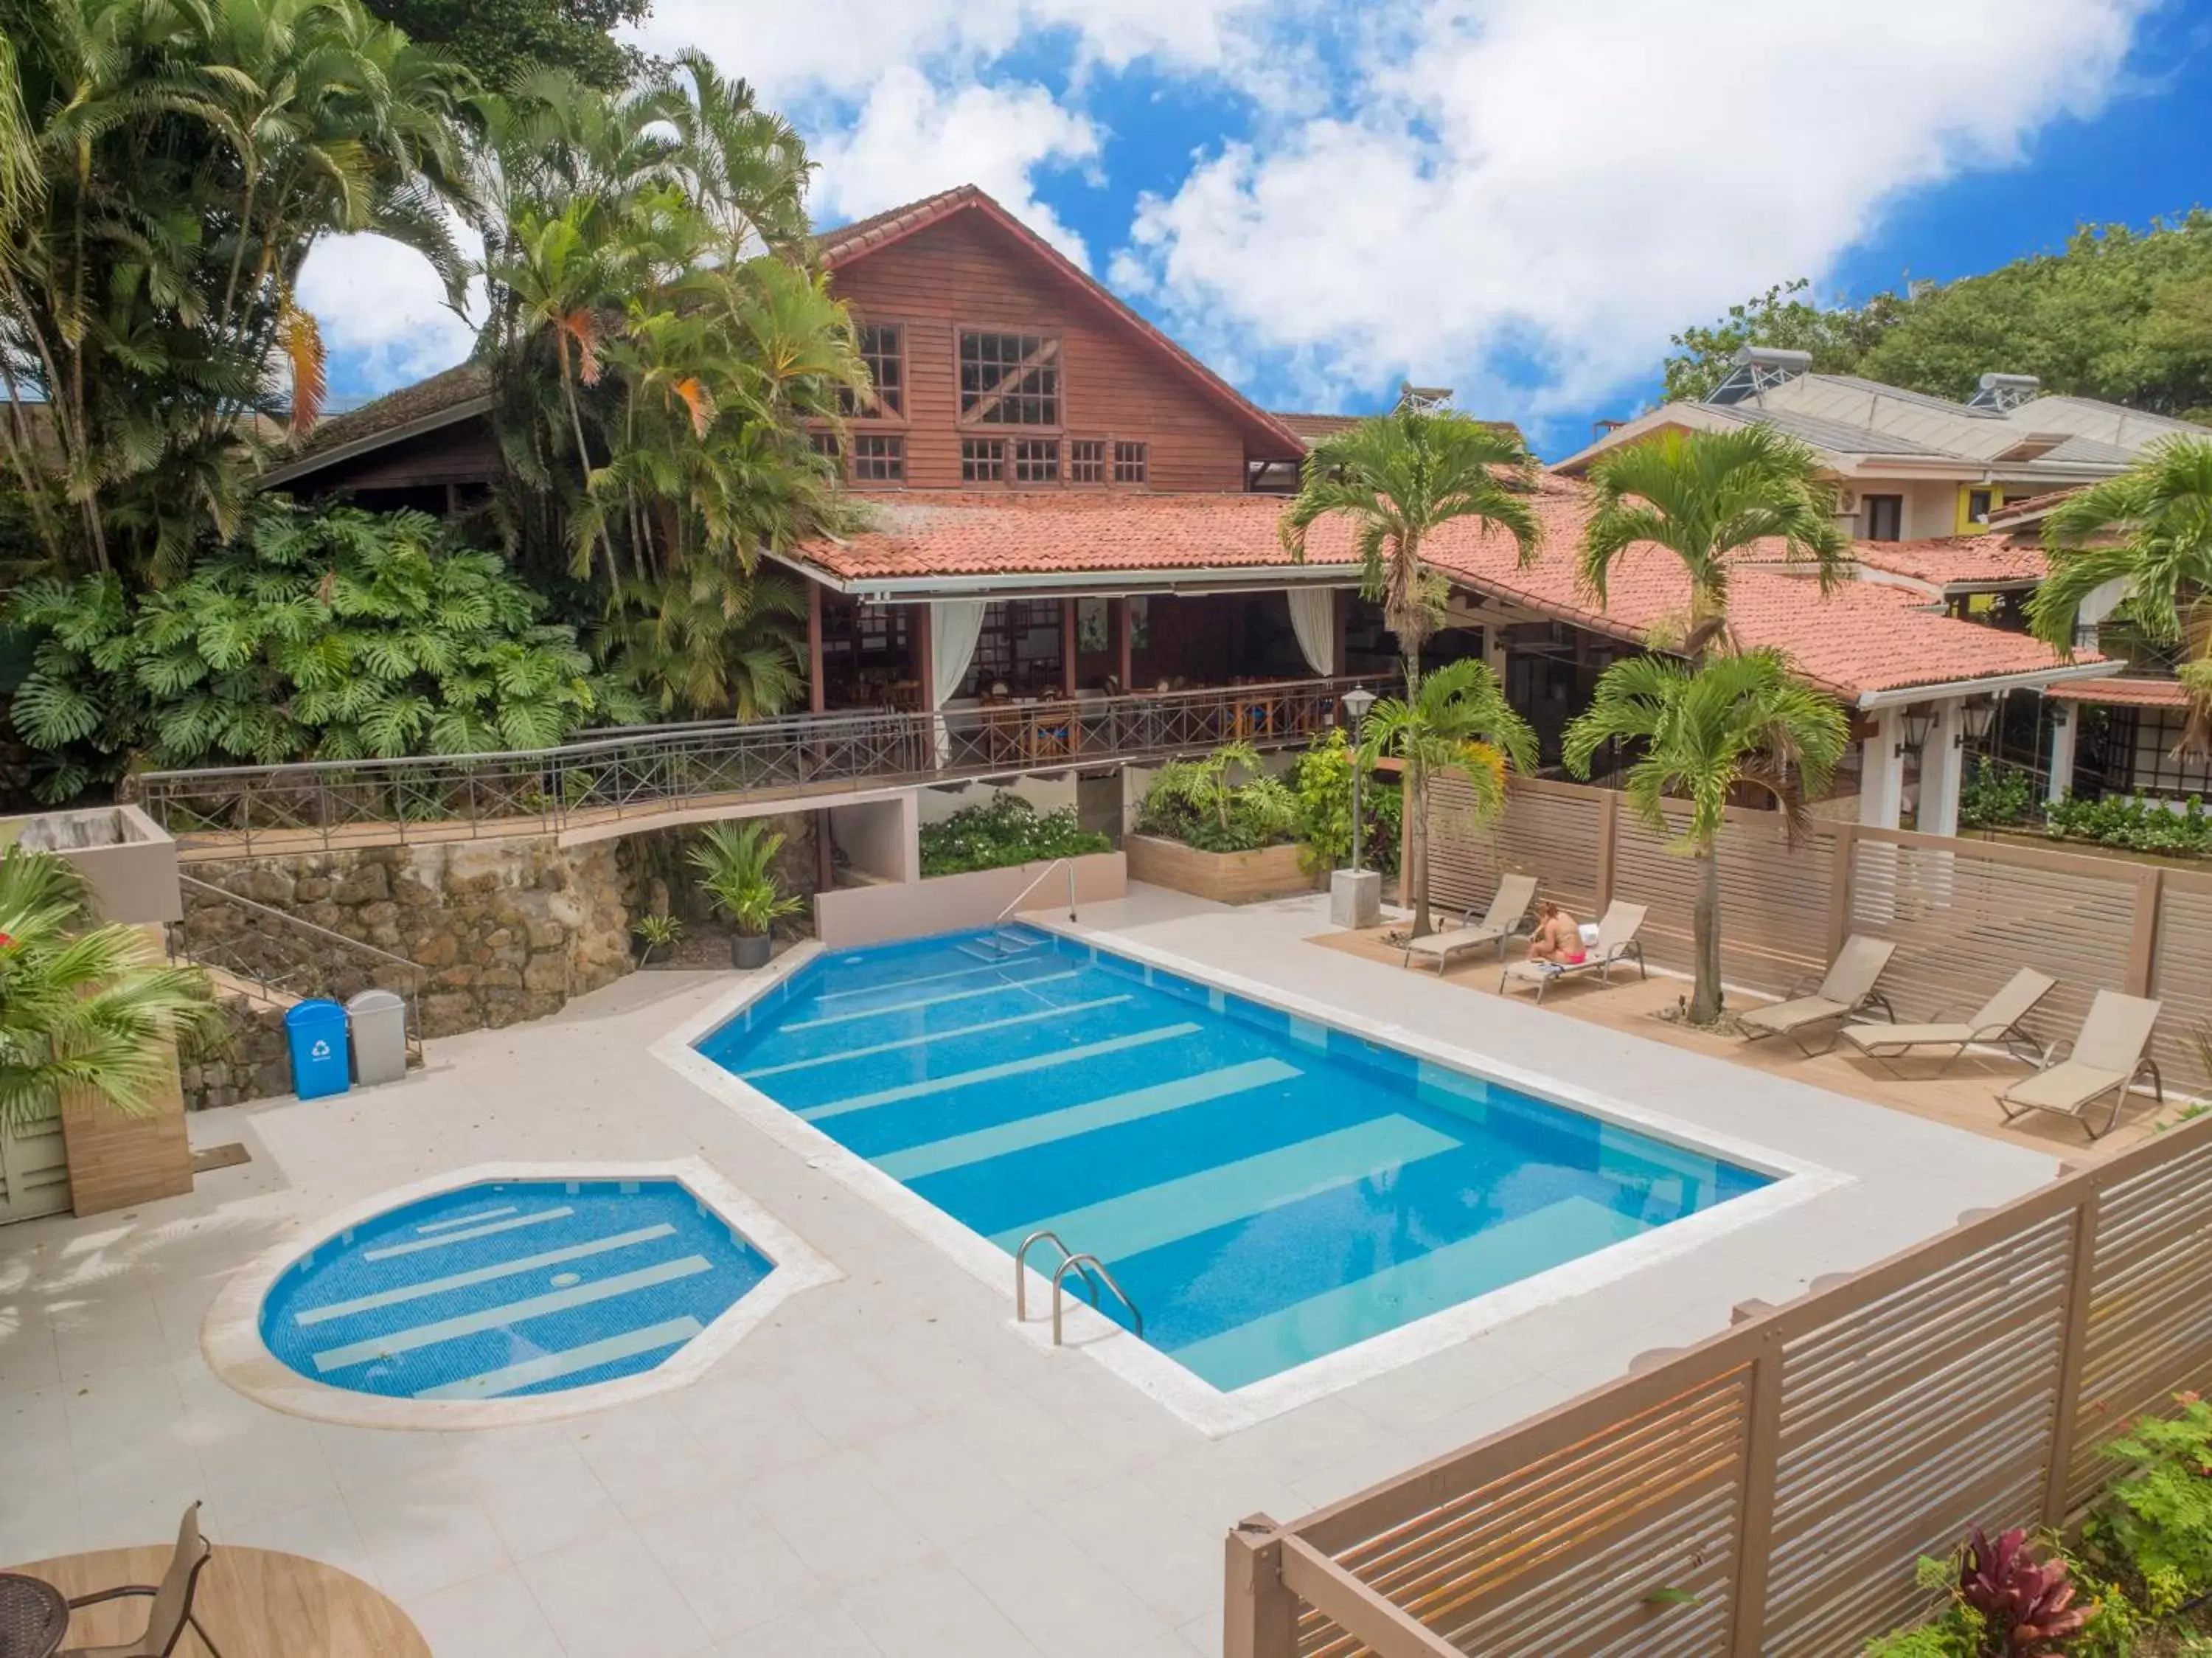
(510, 1288)
(1266, 1189)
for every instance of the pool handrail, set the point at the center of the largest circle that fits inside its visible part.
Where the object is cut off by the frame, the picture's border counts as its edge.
(1091, 1265)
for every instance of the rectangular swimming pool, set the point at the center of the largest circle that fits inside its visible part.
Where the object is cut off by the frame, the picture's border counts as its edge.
(1267, 1189)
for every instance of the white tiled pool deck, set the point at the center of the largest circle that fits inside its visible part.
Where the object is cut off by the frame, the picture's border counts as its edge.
(885, 1467)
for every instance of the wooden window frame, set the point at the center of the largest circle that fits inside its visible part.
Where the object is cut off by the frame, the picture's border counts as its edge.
(896, 441)
(1054, 459)
(1053, 337)
(998, 480)
(872, 411)
(1144, 448)
(1104, 463)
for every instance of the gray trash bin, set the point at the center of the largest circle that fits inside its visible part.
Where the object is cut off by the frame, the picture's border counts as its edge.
(380, 1036)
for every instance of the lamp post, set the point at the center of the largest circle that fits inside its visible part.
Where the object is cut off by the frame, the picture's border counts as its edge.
(1357, 702)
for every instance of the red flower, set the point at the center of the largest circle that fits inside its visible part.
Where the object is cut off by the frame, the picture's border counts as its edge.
(6, 942)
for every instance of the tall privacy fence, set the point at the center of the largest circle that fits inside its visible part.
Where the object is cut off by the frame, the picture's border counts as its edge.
(1765, 1493)
(1964, 914)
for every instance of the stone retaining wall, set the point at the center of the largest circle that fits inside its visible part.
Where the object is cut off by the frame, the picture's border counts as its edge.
(248, 1061)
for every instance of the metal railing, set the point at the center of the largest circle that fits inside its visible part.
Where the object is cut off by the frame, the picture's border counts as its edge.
(331, 803)
(280, 954)
(1089, 1270)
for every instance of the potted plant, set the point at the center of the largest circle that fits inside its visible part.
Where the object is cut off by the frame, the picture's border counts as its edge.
(737, 862)
(655, 931)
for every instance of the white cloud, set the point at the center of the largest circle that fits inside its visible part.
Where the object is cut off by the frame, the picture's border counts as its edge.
(382, 312)
(913, 138)
(1520, 177)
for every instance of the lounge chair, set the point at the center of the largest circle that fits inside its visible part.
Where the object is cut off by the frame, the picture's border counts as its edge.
(172, 1611)
(1499, 922)
(1997, 1021)
(1847, 988)
(1616, 942)
(2106, 1057)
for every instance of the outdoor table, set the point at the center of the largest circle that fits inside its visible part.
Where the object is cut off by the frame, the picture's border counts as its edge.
(34, 1615)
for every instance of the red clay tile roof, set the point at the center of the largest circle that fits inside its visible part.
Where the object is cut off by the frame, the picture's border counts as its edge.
(1864, 638)
(1956, 560)
(2030, 507)
(1315, 426)
(2125, 693)
(864, 236)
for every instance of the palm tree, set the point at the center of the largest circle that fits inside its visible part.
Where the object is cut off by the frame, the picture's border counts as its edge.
(1702, 733)
(1399, 477)
(2149, 529)
(85, 1011)
(1706, 496)
(1457, 720)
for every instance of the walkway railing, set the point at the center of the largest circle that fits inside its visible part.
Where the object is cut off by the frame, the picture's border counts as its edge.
(280, 952)
(608, 780)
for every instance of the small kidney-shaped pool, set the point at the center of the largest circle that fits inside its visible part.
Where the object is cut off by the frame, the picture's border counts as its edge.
(510, 1288)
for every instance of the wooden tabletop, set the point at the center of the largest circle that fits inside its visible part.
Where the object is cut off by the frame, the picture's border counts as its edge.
(255, 1602)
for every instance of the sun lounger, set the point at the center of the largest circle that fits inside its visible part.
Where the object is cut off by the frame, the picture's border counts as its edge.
(2106, 1057)
(1847, 988)
(1499, 922)
(1997, 1021)
(1616, 942)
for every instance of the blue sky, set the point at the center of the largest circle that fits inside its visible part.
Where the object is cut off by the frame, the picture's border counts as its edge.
(1518, 197)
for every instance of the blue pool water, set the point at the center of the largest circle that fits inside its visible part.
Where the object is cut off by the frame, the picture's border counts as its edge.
(1266, 1189)
(509, 1288)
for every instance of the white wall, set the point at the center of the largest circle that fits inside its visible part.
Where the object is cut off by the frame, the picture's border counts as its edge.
(880, 838)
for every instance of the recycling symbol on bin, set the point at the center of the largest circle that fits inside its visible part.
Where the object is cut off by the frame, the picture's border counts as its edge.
(320, 1051)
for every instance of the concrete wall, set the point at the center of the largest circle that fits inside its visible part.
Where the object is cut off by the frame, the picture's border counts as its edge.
(881, 839)
(945, 904)
(126, 858)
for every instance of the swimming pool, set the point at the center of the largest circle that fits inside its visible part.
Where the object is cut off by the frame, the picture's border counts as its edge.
(509, 1289)
(1268, 1189)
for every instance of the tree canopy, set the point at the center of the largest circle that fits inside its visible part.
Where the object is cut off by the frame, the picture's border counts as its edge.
(2121, 314)
(502, 41)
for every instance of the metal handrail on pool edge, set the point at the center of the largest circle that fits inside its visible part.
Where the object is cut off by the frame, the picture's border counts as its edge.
(1089, 1265)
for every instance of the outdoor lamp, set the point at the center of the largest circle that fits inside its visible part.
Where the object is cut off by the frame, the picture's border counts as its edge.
(1981, 714)
(1357, 701)
(1916, 721)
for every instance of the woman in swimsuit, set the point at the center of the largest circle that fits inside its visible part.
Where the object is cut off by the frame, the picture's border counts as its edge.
(1557, 936)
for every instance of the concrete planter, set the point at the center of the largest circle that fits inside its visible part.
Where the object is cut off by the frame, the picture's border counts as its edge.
(749, 950)
(1225, 877)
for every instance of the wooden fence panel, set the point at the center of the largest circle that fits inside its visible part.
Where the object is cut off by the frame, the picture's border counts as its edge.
(2181, 976)
(1903, 1422)
(1564, 1554)
(1549, 831)
(2151, 1307)
(1966, 920)
(1774, 897)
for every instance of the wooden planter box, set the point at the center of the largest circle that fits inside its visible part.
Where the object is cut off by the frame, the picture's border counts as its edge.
(1225, 877)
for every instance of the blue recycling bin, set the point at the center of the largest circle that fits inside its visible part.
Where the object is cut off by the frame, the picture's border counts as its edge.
(316, 1033)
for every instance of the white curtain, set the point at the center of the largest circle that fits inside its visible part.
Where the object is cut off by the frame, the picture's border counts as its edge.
(1313, 618)
(955, 625)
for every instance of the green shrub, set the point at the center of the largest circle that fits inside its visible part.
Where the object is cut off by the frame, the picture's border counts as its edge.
(1004, 830)
(2155, 1525)
(1994, 794)
(1323, 782)
(1195, 803)
(2137, 825)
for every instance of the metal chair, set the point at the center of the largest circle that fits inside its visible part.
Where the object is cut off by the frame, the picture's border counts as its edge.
(172, 1612)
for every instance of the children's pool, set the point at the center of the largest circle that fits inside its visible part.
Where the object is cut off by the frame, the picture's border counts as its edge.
(1266, 1189)
(510, 1288)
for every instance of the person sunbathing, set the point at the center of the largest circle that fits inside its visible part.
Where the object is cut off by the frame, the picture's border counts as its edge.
(1558, 937)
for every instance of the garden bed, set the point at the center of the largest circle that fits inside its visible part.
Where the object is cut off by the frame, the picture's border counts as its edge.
(1225, 877)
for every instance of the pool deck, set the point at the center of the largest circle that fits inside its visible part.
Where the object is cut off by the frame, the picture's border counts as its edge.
(885, 1467)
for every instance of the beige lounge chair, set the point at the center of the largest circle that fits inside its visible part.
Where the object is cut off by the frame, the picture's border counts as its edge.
(1997, 1021)
(1616, 942)
(1847, 988)
(1499, 922)
(172, 1612)
(2106, 1057)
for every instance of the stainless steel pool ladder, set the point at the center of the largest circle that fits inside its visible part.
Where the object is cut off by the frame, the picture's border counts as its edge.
(1089, 1267)
(998, 928)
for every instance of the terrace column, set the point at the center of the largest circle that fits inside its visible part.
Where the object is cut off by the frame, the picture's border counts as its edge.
(1068, 647)
(1942, 764)
(1118, 612)
(2065, 726)
(1881, 771)
(817, 694)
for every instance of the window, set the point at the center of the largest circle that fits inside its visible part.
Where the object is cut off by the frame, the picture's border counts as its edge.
(982, 460)
(1009, 379)
(1885, 517)
(1019, 646)
(1128, 463)
(1976, 503)
(1036, 460)
(878, 350)
(1086, 460)
(879, 457)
